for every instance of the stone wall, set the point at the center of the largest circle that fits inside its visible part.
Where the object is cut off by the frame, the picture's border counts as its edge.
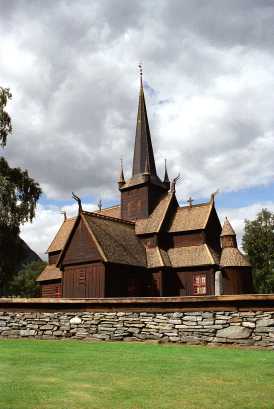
(233, 327)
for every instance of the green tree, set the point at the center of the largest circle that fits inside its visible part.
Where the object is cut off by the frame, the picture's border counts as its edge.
(258, 243)
(19, 194)
(23, 283)
(5, 120)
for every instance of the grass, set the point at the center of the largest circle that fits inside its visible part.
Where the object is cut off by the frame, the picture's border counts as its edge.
(82, 375)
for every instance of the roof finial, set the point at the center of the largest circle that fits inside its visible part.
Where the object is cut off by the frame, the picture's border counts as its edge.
(100, 205)
(173, 184)
(166, 177)
(78, 200)
(213, 195)
(141, 71)
(65, 214)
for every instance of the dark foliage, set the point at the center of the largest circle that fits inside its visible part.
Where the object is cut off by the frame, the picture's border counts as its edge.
(258, 243)
(19, 194)
(23, 283)
(5, 120)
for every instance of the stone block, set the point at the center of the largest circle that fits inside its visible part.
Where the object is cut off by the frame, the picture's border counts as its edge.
(174, 339)
(234, 332)
(265, 323)
(46, 327)
(27, 332)
(207, 314)
(57, 333)
(190, 318)
(75, 321)
(248, 324)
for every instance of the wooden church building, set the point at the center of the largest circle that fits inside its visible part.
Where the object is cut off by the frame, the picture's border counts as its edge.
(148, 245)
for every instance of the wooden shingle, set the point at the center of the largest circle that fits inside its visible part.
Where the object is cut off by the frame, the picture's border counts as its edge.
(60, 238)
(189, 218)
(50, 272)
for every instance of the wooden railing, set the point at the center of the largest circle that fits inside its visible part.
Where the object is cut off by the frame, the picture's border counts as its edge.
(244, 302)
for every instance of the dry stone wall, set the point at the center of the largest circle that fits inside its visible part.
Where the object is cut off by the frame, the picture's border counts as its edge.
(242, 328)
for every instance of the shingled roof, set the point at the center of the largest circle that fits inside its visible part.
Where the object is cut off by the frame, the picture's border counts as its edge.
(114, 211)
(157, 257)
(50, 272)
(232, 257)
(189, 218)
(117, 239)
(192, 256)
(154, 222)
(61, 236)
(227, 229)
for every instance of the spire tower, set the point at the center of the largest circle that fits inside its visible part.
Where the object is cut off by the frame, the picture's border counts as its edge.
(143, 150)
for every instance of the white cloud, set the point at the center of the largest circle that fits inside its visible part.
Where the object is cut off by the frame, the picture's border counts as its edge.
(237, 216)
(72, 70)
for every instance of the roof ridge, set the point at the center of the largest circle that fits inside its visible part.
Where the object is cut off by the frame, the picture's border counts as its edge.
(194, 205)
(103, 216)
(110, 207)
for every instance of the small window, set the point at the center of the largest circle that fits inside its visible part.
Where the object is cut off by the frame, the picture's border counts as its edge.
(199, 284)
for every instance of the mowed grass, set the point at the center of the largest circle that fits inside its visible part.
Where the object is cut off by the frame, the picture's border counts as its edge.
(83, 375)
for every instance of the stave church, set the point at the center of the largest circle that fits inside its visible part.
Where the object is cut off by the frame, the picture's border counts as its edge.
(147, 245)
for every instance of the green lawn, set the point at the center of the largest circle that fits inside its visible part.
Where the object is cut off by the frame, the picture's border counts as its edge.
(83, 375)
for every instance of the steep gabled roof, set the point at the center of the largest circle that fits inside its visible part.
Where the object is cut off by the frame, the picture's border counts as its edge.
(117, 239)
(154, 222)
(61, 236)
(192, 256)
(189, 218)
(50, 272)
(232, 257)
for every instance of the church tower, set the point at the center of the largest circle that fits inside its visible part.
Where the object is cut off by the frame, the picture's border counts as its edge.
(141, 193)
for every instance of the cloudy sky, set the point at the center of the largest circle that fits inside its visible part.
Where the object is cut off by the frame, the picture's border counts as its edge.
(209, 83)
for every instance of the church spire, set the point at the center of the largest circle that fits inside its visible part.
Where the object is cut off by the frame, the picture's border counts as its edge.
(143, 151)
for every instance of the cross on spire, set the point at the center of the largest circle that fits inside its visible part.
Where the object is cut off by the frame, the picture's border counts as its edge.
(190, 201)
(140, 71)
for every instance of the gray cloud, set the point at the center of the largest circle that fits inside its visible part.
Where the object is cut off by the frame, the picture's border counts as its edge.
(72, 68)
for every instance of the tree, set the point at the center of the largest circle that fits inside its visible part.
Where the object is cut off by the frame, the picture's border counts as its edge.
(5, 120)
(19, 194)
(258, 243)
(23, 283)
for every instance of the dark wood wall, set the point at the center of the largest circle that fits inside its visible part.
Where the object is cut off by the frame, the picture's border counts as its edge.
(188, 239)
(81, 247)
(84, 281)
(139, 201)
(237, 280)
(127, 281)
(53, 257)
(134, 203)
(180, 282)
(51, 289)
(229, 241)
